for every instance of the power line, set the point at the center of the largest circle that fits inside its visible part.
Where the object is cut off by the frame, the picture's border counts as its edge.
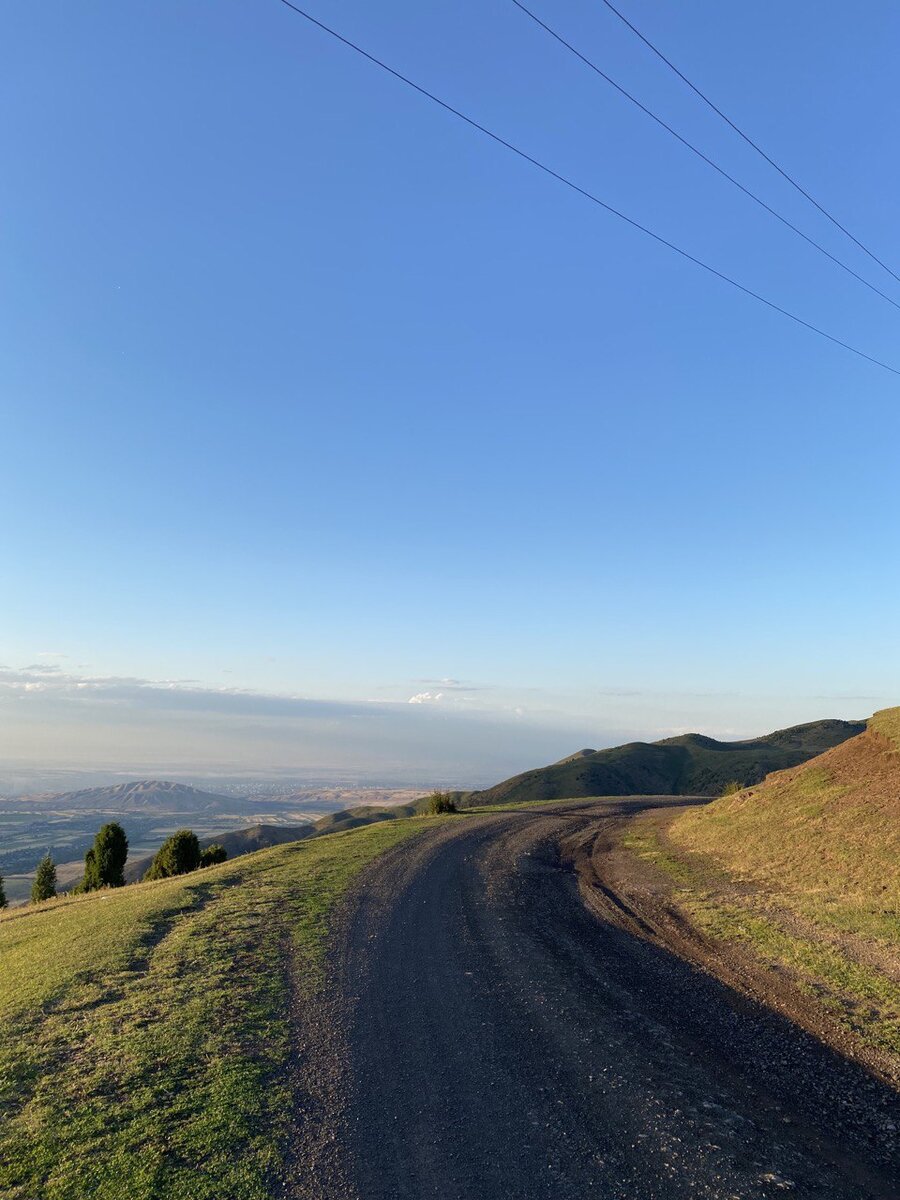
(699, 153)
(750, 142)
(495, 137)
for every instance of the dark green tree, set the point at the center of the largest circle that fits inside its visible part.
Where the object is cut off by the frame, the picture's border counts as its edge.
(104, 863)
(177, 855)
(111, 854)
(213, 854)
(3, 901)
(88, 881)
(44, 886)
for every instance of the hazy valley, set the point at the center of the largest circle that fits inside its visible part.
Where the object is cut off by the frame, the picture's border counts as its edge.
(63, 824)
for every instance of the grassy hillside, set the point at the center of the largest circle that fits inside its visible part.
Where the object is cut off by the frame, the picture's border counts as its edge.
(145, 1032)
(690, 765)
(827, 834)
(803, 872)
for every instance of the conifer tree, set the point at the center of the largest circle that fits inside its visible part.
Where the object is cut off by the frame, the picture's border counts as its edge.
(3, 901)
(44, 886)
(110, 853)
(104, 863)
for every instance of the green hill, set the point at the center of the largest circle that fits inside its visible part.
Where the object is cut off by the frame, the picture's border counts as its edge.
(689, 765)
(365, 814)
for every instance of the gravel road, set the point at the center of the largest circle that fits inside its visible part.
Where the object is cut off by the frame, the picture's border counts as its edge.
(502, 1040)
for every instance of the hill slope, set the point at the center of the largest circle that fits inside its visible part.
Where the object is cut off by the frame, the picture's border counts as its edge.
(147, 1045)
(828, 830)
(689, 765)
(802, 874)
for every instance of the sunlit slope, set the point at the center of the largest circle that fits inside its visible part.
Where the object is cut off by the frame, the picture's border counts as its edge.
(145, 1033)
(690, 764)
(827, 832)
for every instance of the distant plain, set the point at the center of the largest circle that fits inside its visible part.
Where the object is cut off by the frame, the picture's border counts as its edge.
(64, 824)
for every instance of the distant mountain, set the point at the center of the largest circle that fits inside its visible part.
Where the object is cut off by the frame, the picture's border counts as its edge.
(141, 796)
(689, 765)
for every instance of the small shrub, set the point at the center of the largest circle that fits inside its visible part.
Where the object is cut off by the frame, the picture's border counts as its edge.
(3, 900)
(44, 886)
(213, 854)
(441, 802)
(730, 789)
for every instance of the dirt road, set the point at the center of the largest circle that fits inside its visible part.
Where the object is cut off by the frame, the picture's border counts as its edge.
(504, 1040)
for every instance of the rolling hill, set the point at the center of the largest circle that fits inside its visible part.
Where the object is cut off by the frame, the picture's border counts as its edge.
(689, 765)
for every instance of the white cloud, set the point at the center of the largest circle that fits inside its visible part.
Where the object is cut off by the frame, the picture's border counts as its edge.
(426, 698)
(451, 685)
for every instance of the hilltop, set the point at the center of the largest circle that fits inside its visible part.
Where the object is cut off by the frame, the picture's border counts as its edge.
(688, 765)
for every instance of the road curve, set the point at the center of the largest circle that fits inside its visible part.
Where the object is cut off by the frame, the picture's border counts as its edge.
(503, 1041)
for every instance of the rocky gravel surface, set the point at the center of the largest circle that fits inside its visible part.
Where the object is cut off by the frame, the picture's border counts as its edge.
(491, 1036)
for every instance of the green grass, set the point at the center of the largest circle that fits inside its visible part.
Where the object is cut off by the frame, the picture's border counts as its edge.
(146, 1031)
(646, 845)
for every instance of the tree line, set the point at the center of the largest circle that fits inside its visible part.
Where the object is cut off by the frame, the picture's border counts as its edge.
(104, 862)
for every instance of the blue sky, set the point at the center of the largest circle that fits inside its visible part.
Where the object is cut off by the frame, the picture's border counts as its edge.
(311, 392)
